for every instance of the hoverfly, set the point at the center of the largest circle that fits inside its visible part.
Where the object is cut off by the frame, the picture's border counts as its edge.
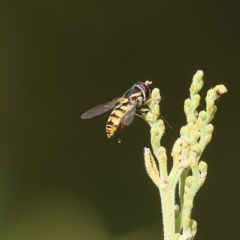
(124, 108)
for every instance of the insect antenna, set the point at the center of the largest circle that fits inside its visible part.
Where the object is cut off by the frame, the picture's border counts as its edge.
(168, 124)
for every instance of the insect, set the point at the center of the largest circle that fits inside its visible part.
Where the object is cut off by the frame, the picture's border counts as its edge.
(124, 108)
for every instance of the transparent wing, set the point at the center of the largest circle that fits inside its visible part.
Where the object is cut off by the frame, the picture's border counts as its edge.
(100, 109)
(127, 118)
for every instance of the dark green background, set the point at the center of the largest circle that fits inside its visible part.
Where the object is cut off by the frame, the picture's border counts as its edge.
(60, 177)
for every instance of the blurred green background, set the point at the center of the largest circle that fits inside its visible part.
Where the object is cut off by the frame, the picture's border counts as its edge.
(60, 177)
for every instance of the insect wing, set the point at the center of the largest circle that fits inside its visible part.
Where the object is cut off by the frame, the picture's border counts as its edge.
(128, 117)
(100, 109)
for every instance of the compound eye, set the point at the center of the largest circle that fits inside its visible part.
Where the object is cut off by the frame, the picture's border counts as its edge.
(144, 89)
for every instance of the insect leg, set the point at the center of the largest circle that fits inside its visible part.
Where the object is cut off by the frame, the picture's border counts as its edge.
(121, 132)
(144, 110)
(140, 116)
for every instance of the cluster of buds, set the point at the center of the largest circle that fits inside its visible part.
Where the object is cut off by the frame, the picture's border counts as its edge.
(188, 171)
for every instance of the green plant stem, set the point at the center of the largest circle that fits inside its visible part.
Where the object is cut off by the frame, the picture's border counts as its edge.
(167, 201)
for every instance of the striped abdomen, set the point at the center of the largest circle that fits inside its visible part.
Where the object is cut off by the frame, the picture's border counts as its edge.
(114, 119)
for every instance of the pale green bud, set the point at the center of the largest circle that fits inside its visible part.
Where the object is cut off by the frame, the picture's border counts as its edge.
(162, 150)
(191, 119)
(156, 94)
(198, 76)
(197, 82)
(186, 109)
(183, 130)
(202, 178)
(155, 110)
(191, 128)
(187, 102)
(196, 148)
(162, 154)
(202, 166)
(210, 107)
(193, 88)
(149, 117)
(177, 149)
(209, 128)
(196, 100)
(208, 138)
(210, 92)
(220, 89)
(189, 181)
(163, 157)
(160, 123)
(194, 227)
(202, 115)
(154, 134)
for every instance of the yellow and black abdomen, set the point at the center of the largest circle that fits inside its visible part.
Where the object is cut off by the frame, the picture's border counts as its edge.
(114, 119)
